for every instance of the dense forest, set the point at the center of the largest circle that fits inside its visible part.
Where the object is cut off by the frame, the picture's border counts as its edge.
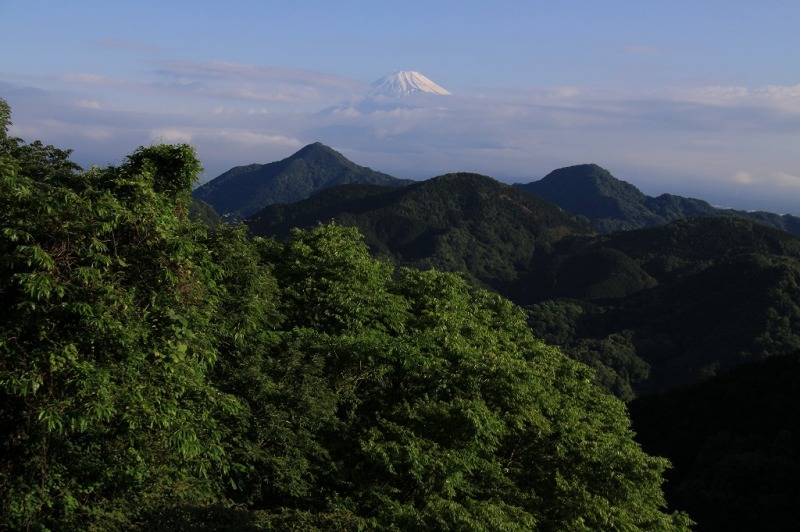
(157, 374)
(649, 309)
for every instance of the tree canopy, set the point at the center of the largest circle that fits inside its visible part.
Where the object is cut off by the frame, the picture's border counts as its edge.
(108, 295)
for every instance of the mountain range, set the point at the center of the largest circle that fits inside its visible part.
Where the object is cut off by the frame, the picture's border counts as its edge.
(456, 222)
(653, 307)
(587, 191)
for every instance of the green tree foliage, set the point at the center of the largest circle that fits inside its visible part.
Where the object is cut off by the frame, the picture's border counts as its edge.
(106, 299)
(579, 328)
(415, 402)
(5, 123)
(153, 375)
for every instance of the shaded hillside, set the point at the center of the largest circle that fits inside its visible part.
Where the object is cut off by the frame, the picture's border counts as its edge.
(734, 442)
(243, 190)
(737, 310)
(617, 265)
(648, 309)
(692, 243)
(663, 307)
(460, 222)
(609, 204)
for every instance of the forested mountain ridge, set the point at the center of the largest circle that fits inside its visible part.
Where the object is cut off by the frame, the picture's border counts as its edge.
(456, 222)
(610, 204)
(649, 309)
(586, 191)
(243, 190)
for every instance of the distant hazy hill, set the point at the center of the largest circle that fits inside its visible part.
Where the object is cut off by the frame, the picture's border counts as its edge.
(462, 222)
(243, 190)
(610, 204)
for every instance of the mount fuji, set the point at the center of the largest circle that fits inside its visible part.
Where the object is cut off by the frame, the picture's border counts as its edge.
(401, 89)
(405, 83)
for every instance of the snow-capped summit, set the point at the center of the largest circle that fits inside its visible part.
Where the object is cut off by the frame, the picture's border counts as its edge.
(405, 82)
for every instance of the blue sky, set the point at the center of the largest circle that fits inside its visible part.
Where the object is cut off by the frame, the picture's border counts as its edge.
(698, 98)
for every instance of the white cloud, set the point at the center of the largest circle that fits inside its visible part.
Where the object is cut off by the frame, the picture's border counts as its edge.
(783, 97)
(221, 81)
(565, 92)
(172, 136)
(89, 104)
(252, 138)
(257, 83)
(87, 78)
(785, 178)
(234, 71)
(97, 134)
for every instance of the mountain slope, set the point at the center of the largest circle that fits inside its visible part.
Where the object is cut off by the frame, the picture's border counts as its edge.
(609, 204)
(243, 190)
(406, 82)
(658, 308)
(398, 90)
(461, 222)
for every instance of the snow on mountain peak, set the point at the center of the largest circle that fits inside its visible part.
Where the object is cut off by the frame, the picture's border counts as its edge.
(405, 82)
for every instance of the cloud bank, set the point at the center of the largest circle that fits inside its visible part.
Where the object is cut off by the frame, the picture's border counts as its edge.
(731, 145)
